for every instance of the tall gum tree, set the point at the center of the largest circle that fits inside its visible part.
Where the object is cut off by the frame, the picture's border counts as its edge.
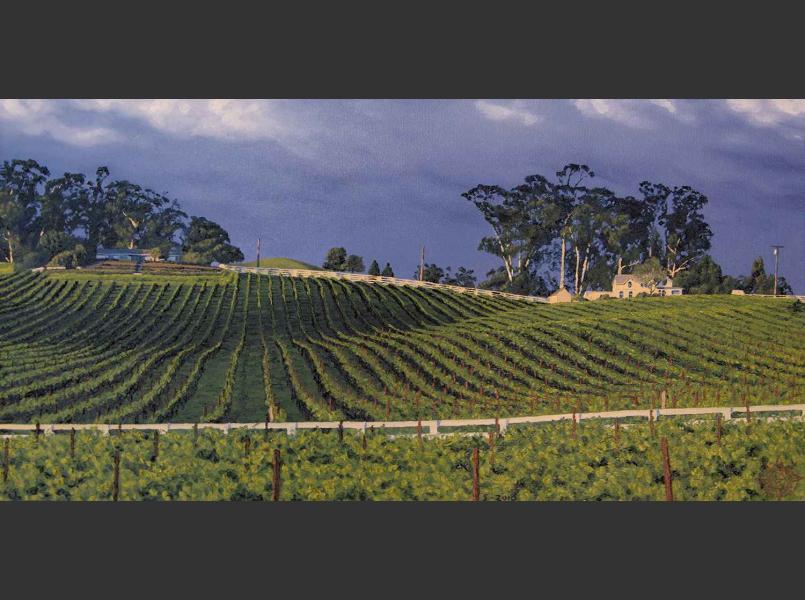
(522, 219)
(680, 232)
(567, 196)
(20, 189)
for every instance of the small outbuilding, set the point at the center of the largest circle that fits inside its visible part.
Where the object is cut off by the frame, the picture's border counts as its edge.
(560, 295)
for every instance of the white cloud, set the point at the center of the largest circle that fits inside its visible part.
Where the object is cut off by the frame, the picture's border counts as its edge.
(768, 112)
(42, 117)
(668, 105)
(221, 119)
(634, 113)
(511, 112)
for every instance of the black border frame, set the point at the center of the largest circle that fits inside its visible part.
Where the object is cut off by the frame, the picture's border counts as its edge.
(564, 549)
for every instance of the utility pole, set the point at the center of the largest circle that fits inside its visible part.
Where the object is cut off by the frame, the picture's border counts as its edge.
(776, 252)
(422, 264)
(258, 253)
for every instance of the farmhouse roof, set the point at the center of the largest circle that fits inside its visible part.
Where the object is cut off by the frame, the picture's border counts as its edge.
(622, 279)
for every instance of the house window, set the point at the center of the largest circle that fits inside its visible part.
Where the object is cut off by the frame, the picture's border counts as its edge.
(620, 294)
(630, 292)
(662, 293)
(629, 283)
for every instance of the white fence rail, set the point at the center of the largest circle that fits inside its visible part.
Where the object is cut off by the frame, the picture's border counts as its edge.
(380, 279)
(431, 426)
(781, 296)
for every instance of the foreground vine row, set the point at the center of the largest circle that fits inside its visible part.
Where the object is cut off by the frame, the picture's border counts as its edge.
(595, 461)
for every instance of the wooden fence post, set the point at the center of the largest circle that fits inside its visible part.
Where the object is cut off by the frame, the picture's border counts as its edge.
(195, 434)
(574, 425)
(476, 487)
(341, 431)
(6, 459)
(419, 430)
(116, 483)
(617, 432)
(155, 454)
(718, 429)
(72, 442)
(666, 465)
(277, 479)
(492, 448)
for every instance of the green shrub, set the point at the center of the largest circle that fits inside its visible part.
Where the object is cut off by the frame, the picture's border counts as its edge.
(66, 259)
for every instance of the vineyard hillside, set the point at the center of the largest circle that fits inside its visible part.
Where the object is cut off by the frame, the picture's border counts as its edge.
(189, 346)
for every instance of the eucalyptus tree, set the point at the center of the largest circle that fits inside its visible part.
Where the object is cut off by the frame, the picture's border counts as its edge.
(523, 222)
(679, 233)
(21, 183)
(567, 195)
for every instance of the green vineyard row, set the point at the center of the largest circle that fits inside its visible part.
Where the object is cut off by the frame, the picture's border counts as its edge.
(116, 348)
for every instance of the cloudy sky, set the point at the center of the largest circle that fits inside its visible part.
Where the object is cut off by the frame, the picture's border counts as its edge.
(382, 177)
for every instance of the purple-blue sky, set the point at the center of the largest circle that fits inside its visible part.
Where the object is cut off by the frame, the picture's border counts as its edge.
(380, 177)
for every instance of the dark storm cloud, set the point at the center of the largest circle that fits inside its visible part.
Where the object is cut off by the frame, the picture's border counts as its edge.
(381, 177)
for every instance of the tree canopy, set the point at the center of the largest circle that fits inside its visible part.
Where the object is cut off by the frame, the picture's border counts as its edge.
(337, 259)
(566, 232)
(433, 273)
(43, 216)
(206, 241)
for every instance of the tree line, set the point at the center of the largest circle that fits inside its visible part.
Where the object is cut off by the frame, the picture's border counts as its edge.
(567, 233)
(337, 259)
(46, 219)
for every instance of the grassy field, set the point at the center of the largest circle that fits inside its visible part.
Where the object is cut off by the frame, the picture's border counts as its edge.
(282, 263)
(117, 347)
(6, 268)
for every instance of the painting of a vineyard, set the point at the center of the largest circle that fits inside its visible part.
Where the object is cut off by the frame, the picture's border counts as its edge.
(588, 346)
